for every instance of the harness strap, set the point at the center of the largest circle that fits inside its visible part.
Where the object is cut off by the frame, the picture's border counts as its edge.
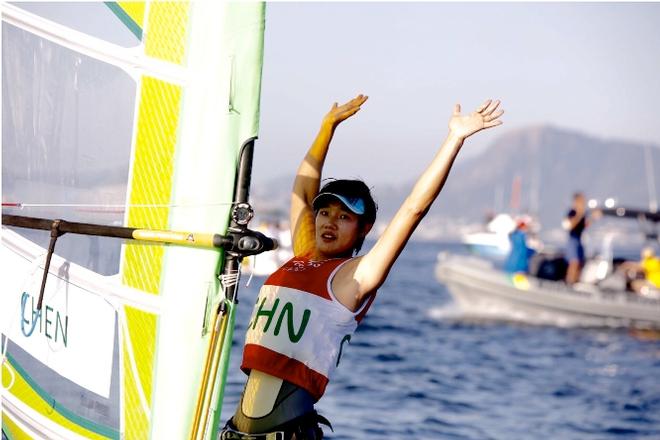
(230, 434)
(305, 427)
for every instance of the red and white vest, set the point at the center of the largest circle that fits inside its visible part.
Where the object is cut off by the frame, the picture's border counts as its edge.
(298, 328)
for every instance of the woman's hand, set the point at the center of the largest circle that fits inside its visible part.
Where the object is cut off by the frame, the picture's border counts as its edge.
(339, 113)
(485, 116)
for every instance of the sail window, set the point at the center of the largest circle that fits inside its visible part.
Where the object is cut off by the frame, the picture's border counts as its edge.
(67, 129)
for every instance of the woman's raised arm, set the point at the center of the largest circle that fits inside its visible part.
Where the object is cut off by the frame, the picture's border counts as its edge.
(370, 271)
(308, 177)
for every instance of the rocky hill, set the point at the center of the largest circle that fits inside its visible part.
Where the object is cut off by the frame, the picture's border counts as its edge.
(550, 164)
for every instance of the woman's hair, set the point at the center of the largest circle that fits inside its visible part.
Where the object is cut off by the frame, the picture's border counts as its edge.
(352, 189)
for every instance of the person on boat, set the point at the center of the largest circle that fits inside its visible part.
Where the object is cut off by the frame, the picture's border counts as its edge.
(576, 221)
(518, 259)
(307, 310)
(644, 275)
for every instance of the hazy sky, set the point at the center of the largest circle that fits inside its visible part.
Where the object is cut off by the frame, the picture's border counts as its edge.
(593, 67)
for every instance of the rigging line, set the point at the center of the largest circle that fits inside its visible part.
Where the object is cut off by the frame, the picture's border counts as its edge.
(112, 206)
(253, 268)
(229, 280)
(206, 406)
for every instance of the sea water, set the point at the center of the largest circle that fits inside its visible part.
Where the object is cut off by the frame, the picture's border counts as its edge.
(417, 369)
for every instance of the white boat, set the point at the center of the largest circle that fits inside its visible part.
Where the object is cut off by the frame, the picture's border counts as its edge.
(494, 241)
(264, 264)
(481, 290)
(599, 299)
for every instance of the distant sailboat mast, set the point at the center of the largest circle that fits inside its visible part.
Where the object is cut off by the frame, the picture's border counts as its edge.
(516, 189)
(650, 179)
(535, 185)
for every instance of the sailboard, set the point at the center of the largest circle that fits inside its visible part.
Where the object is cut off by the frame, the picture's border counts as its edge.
(138, 116)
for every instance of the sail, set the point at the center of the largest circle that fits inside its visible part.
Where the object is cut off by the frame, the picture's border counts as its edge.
(129, 114)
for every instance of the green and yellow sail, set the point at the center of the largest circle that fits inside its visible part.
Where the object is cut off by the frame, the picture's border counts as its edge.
(153, 119)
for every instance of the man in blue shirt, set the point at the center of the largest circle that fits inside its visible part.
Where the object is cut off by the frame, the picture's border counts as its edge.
(518, 259)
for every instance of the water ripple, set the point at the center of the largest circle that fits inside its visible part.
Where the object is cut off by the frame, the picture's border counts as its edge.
(417, 368)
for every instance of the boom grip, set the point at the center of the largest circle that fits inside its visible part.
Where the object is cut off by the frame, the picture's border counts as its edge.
(254, 242)
(269, 243)
(245, 242)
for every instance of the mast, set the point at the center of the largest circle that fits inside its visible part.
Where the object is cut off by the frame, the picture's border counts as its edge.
(650, 179)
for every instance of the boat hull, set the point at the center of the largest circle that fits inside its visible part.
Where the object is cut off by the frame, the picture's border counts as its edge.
(481, 290)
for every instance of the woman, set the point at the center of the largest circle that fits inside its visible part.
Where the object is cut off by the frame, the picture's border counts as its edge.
(308, 309)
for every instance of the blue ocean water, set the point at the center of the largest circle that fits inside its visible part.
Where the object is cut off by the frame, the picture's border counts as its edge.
(417, 369)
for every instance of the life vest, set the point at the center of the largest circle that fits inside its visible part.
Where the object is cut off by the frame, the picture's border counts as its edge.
(298, 328)
(651, 266)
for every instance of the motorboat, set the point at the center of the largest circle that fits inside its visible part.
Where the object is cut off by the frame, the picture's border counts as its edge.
(481, 289)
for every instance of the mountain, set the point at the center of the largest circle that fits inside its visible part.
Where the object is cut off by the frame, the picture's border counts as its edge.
(551, 164)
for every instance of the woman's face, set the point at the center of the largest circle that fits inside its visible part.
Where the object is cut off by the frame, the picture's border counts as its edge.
(337, 230)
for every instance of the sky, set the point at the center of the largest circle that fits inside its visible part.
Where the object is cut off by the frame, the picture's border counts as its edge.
(591, 67)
